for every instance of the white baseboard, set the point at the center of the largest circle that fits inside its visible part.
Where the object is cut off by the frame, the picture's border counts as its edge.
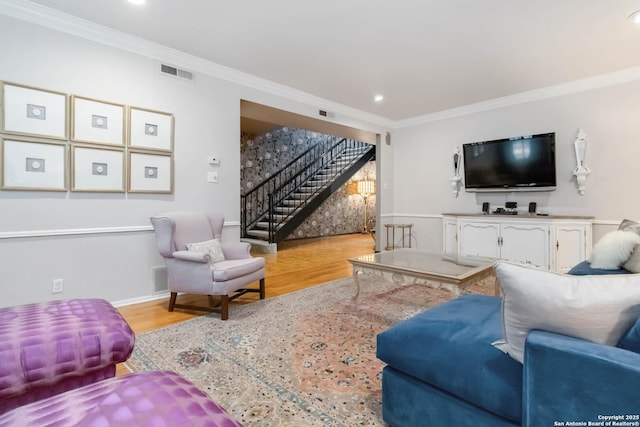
(138, 300)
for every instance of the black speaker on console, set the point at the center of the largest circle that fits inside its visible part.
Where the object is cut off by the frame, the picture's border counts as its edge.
(485, 207)
(532, 207)
(511, 205)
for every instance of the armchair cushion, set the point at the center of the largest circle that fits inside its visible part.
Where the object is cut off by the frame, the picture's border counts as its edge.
(595, 308)
(211, 247)
(231, 269)
(192, 256)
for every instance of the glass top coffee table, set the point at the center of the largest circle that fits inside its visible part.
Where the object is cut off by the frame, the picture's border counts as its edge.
(423, 267)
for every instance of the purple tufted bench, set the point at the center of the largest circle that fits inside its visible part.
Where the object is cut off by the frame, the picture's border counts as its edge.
(51, 347)
(150, 399)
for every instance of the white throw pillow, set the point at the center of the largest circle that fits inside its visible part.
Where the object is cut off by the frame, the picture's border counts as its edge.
(633, 263)
(212, 247)
(595, 308)
(613, 249)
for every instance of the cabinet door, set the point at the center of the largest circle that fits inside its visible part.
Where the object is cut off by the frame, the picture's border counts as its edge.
(570, 246)
(526, 243)
(478, 239)
(450, 238)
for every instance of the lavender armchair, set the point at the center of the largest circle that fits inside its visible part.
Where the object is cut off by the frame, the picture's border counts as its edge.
(195, 272)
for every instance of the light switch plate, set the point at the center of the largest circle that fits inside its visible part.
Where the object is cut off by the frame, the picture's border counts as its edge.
(212, 177)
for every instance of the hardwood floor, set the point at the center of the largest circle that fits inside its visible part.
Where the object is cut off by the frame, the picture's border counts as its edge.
(298, 264)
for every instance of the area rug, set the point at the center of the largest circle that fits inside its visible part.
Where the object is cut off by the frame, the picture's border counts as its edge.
(302, 359)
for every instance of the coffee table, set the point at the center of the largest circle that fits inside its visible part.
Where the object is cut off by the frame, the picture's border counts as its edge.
(409, 265)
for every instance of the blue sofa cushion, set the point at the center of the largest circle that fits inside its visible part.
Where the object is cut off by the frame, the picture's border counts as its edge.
(449, 347)
(584, 269)
(631, 339)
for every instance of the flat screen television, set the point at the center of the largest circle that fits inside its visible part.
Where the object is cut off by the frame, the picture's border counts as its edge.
(523, 163)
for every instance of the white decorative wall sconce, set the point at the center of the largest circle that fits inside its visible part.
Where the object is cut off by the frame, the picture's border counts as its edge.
(456, 180)
(581, 171)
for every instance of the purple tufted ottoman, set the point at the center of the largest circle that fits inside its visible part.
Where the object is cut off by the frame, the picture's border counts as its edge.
(48, 348)
(150, 399)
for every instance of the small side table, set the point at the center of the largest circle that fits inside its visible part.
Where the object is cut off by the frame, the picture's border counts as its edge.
(393, 228)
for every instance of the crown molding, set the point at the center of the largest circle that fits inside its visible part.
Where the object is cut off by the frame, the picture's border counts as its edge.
(54, 19)
(51, 18)
(582, 85)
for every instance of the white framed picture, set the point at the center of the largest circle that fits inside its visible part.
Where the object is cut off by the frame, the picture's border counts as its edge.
(34, 165)
(150, 130)
(97, 122)
(97, 169)
(33, 112)
(150, 172)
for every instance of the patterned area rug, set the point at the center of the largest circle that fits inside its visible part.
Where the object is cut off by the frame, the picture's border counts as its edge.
(302, 359)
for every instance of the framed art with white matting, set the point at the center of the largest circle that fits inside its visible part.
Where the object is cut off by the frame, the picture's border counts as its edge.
(33, 112)
(34, 165)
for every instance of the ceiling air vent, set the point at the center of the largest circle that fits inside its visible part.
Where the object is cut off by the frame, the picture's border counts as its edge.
(185, 74)
(176, 72)
(169, 70)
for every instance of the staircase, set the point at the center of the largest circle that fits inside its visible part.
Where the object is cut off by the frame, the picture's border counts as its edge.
(275, 208)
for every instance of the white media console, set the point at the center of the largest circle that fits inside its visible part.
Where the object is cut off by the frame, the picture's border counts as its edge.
(552, 242)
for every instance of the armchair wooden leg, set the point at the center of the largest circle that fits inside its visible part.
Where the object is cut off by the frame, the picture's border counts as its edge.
(172, 300)
(224, 307)
(262, 288)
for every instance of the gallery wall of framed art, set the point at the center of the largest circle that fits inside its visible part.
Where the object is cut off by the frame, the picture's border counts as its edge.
(52, 141)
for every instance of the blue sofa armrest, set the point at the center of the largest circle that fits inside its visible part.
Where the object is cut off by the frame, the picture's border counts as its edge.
(570, 379)
(584, 269)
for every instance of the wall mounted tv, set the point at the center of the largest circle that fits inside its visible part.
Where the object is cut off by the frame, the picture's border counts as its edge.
(523, 163)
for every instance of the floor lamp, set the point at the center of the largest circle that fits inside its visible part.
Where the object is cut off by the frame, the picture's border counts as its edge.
(366, 188)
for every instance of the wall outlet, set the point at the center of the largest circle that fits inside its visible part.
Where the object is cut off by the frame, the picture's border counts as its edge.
(58, 286)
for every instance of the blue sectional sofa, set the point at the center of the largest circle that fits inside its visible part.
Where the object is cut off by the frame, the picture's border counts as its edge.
(442, 370)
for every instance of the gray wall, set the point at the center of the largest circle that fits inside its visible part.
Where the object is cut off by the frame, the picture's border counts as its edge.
(609, 116)
(101, 244)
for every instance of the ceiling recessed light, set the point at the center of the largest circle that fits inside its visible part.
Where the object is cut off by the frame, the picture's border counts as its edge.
(635, 16)
(138, 2)
(378, 98)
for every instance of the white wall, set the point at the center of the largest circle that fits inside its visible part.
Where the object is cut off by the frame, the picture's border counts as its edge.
(610, 118)
(116, 266)
(413, 170)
